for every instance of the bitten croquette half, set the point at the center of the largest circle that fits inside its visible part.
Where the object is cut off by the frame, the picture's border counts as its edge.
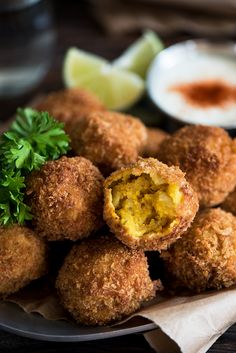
(23, 258)
(208, 157)
(110, 140)
(66, 198)
(205, 256)
(102, 281)
(149, 205)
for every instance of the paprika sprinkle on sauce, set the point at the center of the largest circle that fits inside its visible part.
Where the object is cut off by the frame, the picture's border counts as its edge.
(195, 86)
(207, 93)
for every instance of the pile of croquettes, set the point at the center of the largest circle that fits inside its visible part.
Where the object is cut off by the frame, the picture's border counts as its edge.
(122, 192)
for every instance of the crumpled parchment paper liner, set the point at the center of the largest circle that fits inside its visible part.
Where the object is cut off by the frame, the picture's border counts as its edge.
(40, 297)
(191, 322)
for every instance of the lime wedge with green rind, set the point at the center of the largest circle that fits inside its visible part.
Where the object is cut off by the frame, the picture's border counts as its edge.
(116, 88)
(138, 57)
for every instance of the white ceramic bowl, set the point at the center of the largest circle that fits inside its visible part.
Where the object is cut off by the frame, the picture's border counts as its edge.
(173, 56)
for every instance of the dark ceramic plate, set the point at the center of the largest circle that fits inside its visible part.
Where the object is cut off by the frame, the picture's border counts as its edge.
(14, 319)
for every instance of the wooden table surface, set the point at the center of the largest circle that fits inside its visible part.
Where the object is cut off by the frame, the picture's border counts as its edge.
(76, 27)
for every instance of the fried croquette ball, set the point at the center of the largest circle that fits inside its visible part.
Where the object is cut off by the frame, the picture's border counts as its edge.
(149, 205)
(66, 198)
(205, 256)
(229, 203)
(154, 139)
(23, 258)
(102, 281)
(110, 140)
(70, 105)
(208, 157)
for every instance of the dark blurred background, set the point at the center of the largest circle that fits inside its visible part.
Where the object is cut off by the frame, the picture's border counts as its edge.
(34, 36)
(34, 32)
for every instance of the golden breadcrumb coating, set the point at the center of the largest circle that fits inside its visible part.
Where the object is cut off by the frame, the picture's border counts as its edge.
(110, 140)
(70, 105)
(205, 256)
(23, 258)
(148, 205)
(66, 198)
(208, 157)
(155, 137)
(229, 203)
(102, 281)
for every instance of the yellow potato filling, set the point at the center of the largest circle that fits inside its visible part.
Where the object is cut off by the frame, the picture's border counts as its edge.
(146, 206)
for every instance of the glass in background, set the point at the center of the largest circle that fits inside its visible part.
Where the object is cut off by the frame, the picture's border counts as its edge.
(27, 42)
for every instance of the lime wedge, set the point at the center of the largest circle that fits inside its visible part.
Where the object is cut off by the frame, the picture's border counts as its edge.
(140, 54)
(116, 88)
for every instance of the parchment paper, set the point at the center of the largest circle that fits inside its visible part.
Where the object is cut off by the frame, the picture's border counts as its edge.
(193, 322)
(189, 323)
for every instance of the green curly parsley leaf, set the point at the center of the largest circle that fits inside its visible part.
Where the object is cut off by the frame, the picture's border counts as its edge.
(33, 138)
(17, 153)
(12, 206)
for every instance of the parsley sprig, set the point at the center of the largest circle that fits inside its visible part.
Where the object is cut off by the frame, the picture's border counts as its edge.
(33, 138)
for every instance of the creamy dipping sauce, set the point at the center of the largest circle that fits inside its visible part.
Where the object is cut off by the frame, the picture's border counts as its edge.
(199, 88)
